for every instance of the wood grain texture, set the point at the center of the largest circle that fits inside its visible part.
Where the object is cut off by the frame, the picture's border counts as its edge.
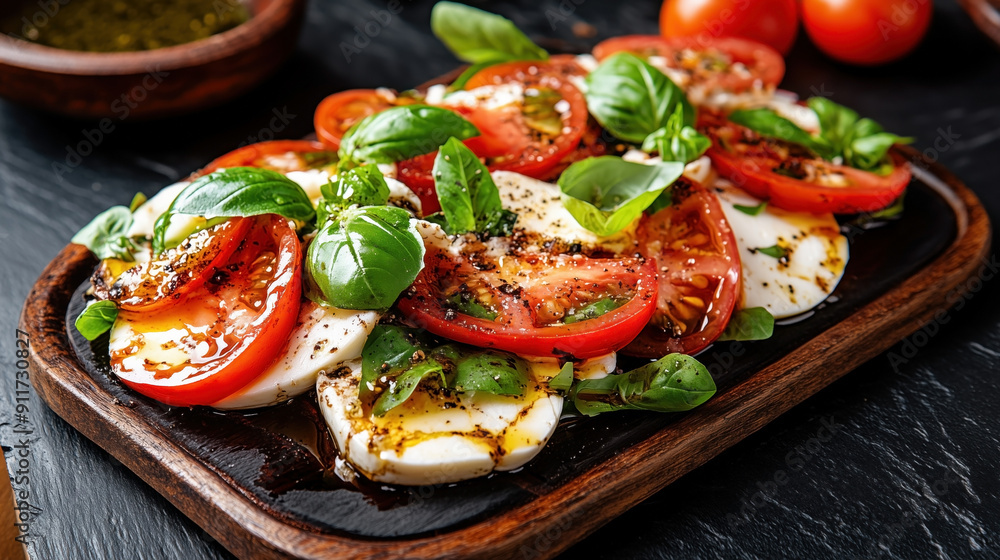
(156, 83)
(589, 500)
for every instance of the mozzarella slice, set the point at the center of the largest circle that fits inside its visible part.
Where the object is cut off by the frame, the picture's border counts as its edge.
(436, 438)
(539, 210)
(324, 338)
(145, 216)
(816, 254)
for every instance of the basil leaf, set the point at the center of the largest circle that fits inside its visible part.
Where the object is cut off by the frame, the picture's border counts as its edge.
(106, 234)
(677, 141)
(632, 99)
(869, 152)
(754, 323)
(97, 319)
(388, 348)
(592, 310)
(674, 383)
(775, 251)
(768, 123)
(404, 384)
(399, 359)
(138, 200)
(474, 35)
(498, 373)
(605, 194)
(367, 259)
(563, 380)
(363, 186)
(400, 133)
(469, 198)
(236, 192)
(836, 122)
(751, 210)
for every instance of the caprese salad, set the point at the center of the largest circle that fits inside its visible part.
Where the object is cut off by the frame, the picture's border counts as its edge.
(450, 270)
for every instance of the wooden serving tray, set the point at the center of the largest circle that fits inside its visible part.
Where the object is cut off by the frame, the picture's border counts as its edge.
(263, 483)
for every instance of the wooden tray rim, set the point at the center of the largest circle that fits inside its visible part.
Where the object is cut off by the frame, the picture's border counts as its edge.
(551, 522)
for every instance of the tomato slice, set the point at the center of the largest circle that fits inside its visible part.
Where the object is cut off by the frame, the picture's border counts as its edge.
(277, 155)
(165, 278)
(543, 129)
(791, 178)
(218, 337)
(725, 63)
(698, 262)
(534, 303)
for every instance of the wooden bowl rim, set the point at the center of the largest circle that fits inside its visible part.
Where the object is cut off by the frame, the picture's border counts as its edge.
(272, 19)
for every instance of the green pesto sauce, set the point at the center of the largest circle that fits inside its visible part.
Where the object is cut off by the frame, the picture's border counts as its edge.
(121, 25)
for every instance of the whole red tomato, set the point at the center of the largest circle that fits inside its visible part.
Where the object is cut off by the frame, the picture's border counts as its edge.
(772, 22)
(866, 32)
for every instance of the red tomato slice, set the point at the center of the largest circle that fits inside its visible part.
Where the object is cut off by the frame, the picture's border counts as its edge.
(710, 63)
(162, 280)
(698, 263)
(541, 131)
(791, 178)
(222, 335)
(277, 155)
(531, 296)
(529, 138)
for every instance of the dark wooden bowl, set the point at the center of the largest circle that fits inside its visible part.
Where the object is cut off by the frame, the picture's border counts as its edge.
(986, 15)
(155, 83)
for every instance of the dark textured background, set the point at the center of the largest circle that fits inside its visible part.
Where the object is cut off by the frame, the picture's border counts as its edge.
(910, 469)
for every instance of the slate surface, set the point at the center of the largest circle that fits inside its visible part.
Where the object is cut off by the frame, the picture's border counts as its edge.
(896, 460)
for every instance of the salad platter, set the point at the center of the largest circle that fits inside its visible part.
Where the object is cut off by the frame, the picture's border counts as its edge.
(273, 474)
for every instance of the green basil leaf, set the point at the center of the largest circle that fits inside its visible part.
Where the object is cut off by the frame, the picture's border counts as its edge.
(605, 194)
(632, 99)
(775, 251)
(592, 310)
(474, 35)
(138, 200)
(674, 383)
(754, 323)
(469, 198)
(236, 192)
(400, 133)
(106, 234)
(751, 210)
(869, 152)
(404, 384)
(367, 259)
(836, 122)
(97, 319)
(363, 186)
(768, 123)
(493, 372)
(388, 348)
(563, 380)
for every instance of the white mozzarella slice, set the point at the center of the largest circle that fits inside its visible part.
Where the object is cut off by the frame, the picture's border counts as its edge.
(486, 97)
(145, 215)
(539, 210)
(437, 438)
(786, 104)
(312, 181)
(323, 338)
(591, 368)
(816, 254)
